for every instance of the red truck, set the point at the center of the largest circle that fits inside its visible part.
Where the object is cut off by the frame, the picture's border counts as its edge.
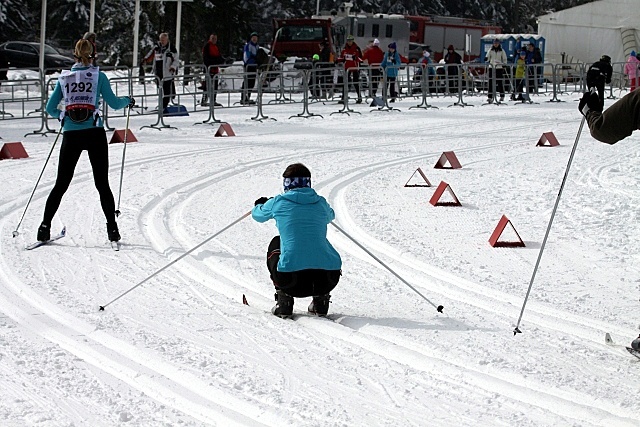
(301, 37)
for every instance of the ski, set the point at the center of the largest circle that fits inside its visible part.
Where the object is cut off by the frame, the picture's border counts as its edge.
(299, 315)
(609, 341)
(53, 239)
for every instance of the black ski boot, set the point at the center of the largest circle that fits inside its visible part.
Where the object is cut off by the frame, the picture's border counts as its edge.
(320, 305)
(284, 305)
(112, 232)
(204, 102)
(44, 232)
(635, 344)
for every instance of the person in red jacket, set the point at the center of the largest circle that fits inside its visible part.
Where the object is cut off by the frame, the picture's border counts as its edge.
(373, 56)
(351, 55)
(211, 56)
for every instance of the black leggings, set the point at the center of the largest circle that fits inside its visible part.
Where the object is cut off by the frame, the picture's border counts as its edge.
(302, 283)
(168, 92)
(94, 140)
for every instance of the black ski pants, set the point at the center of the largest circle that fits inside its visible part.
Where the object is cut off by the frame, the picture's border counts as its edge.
(94, 140)
(249, 81)
(168, 92)
(499, 82)
(302, 283)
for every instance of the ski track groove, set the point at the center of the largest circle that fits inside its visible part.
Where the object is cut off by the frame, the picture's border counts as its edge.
(121, 361)
(546, 398)
(125, 362)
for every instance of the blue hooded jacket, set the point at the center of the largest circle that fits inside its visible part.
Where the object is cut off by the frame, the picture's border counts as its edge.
(302, 217)
(391, 62)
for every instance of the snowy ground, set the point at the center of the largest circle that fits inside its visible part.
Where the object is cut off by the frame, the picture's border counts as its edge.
(182, 349)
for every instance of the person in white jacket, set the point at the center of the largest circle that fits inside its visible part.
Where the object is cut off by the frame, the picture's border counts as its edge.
(165, 66)
(497, 58)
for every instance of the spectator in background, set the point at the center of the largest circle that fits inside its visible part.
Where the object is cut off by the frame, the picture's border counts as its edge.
(521, 78)
(390, 63)
(165, 66)
(497, 58)
(425, 70)
(4, 65)
(250, 61)
(631, 70)
(351, 56)
(534, 72)
(211, 58)
(373, 57)
(598, 74)
(324, 74)
(454, 59)
(314, 77)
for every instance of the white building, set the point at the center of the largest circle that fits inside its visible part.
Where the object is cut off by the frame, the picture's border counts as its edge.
(587, 32)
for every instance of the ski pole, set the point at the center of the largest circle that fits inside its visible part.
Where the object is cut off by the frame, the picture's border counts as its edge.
(124, 153)
(15, 232)
(439, 307)
(102, 307)
(546, 234)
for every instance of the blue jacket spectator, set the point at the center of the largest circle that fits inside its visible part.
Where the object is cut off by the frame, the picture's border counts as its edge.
(250, 52)
(391, 61)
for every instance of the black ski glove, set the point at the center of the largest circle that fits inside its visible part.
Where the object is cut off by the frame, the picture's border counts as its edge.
(132, 102)
(260, 201)
(589, 102)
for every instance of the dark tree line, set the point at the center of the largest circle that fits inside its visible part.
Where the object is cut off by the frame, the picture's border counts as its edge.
(233, 20)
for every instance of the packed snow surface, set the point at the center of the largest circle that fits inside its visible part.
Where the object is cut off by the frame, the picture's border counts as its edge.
(182, 349)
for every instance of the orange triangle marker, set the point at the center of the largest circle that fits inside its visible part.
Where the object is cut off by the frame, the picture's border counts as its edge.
(435, 199)
(450, 158)
(426, 182)
(225, 128)
(495, 236)
(118, 136)
(13, 150)
(548, 139)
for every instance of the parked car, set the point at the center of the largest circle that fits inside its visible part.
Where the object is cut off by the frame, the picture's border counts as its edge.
(27, 55)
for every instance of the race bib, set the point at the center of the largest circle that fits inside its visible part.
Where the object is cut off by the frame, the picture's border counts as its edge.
(348, 57)
(80, 88)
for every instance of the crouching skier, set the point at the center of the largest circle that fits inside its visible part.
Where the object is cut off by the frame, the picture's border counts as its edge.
(301, 261)
(81, 88)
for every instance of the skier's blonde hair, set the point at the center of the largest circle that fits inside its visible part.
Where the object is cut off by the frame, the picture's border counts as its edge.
(84, 51)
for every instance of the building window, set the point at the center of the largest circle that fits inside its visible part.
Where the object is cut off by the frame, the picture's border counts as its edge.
(389, 31)
(375, 30)
(360, 30)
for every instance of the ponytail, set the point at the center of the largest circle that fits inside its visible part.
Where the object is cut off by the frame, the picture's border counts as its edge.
(84, 51)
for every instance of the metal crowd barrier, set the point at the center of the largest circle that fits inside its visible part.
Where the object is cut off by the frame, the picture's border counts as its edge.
(306, 84)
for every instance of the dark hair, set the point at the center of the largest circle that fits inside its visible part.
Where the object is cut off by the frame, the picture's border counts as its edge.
(296, 170)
